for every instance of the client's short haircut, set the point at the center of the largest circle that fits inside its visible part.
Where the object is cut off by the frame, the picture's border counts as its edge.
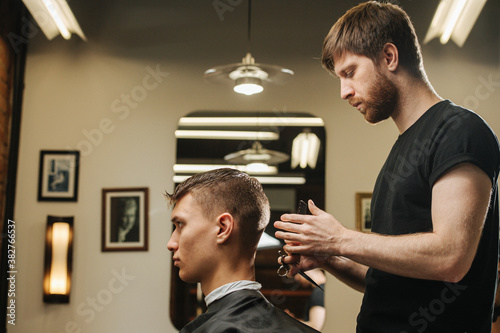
(232, 191)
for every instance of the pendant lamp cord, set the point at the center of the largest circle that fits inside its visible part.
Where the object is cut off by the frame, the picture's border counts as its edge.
(249, 24)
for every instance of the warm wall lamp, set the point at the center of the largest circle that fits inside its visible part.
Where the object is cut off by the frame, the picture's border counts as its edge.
(54, 17)
(454, 19)
(58, 259)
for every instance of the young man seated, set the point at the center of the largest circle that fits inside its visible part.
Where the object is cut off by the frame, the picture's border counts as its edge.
(219, 217)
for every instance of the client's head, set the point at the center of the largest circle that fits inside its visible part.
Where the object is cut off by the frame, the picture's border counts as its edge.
(218, 215)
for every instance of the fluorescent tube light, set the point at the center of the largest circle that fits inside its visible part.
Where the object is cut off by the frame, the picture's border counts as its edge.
(263, 180)
(251, 121)
(454, 20)
(263, 169)
(54, 17)
(226, 135)
(305, 150)
(454, 13)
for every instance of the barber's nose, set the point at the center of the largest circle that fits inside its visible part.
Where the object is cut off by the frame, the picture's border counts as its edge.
(346, 90)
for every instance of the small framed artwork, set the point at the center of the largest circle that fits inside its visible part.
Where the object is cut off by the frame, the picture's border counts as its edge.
(125, 219)
(58, 175)
(363, 211)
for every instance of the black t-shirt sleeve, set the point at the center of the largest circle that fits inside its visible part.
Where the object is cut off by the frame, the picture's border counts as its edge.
(465, 137)
(317, 297)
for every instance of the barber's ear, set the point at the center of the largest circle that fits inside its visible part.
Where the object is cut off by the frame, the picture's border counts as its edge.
(390, 56)
(225, 222)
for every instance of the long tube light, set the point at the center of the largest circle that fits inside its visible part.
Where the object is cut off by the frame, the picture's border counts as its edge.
(226, 135)
(305, 150)
(263, 180)
(454, 20)
(197, 168)
(54, 17)
(251, 121)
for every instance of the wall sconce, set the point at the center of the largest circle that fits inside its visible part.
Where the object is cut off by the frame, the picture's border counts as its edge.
(58, 259)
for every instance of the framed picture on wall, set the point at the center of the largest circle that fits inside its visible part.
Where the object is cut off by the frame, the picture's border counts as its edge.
(125, 219)
(363, 212)
(58, 175)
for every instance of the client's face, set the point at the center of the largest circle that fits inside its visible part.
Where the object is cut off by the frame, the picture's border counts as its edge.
(192, 241)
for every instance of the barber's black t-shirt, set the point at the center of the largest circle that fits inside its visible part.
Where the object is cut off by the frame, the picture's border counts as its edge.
(317, 298)
(441, 138)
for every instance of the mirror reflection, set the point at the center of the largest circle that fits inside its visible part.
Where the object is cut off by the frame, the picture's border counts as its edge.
(286, 153)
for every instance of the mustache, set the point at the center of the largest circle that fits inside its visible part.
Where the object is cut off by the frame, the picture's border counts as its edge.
(353, 101)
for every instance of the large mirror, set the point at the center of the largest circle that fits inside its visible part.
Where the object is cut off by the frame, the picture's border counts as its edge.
(286, 152)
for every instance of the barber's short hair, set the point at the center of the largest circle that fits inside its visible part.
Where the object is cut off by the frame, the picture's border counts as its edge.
(366, 28)
(232, 191)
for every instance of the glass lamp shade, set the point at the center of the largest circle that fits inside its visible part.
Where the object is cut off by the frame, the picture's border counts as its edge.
(248, 85)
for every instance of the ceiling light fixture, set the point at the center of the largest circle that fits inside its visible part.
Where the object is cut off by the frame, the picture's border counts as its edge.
(305, 150)
(248, 76)
(54, 17)
(197, 168)
(262, 179)
(454, 20)
(226, 135)
(252, 121)
(257, 154)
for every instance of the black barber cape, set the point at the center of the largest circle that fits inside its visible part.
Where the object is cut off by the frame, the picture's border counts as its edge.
(244, 311)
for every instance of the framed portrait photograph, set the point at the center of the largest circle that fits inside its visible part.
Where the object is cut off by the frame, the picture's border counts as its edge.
(363, 211)
(58, 175)
(125, 219)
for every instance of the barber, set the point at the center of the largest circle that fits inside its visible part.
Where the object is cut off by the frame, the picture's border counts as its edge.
(430, 262)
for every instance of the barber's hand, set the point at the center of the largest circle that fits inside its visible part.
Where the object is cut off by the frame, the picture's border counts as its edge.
(301, 262)
(314, 237)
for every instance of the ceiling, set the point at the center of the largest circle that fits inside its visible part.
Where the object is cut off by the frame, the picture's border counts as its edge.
(214, 32)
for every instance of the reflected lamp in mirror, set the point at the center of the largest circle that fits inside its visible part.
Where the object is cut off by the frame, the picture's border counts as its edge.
(268, 242)
(257, 156)
(58, 259)
(305, 150)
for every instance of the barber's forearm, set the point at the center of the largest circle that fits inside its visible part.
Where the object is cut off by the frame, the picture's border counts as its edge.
(423, 256)
(347, 271)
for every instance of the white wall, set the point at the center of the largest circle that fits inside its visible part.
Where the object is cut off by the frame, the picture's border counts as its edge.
(68, 93)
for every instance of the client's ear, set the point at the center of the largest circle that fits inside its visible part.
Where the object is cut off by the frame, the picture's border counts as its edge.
(225, 223)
